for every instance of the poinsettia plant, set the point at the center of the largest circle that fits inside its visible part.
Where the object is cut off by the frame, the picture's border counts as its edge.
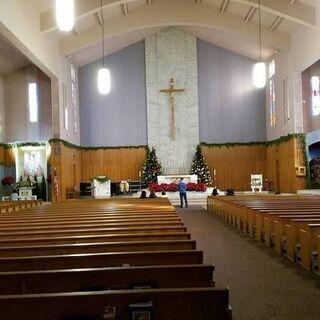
(8, 180)
(172, 187)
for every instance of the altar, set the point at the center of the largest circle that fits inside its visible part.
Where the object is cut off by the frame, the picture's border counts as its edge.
(101, 187)
(175, 178)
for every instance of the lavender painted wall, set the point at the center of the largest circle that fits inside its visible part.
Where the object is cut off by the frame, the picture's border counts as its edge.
(230, 108)
(120, 118)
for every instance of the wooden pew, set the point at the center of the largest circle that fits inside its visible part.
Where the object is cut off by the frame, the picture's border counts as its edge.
(96, 260)
(92, 231)
(79, 248)
(49, 219)
(115, 278)
(141, 253)
(87, 225)
(108, 237)
(169, 303)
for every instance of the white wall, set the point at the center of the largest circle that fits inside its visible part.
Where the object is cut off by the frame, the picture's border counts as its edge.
(20, 23)
(2, 113)
(16, 106)
(304, 51)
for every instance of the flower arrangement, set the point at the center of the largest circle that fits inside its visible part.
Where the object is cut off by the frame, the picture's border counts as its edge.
(100, 179)
(153, 186)
(172, 187)
(191, 186)
(8, 180)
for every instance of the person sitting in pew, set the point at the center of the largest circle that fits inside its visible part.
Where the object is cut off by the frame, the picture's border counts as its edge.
(14, 195)
(152, 194)
(143, 194)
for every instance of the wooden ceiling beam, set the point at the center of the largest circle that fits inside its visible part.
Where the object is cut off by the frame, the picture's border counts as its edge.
(157, 15)
(299, 13)
(83, 9)
(250, 14)
(224, 6)
(125, 9)
(275, 23)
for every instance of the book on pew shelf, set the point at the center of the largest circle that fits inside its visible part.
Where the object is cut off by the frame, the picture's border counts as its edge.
(109, 312)
(143, 285)
(81, 317)
(141, 311)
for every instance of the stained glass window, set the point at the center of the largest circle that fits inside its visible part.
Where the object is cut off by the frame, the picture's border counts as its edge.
(315, 98)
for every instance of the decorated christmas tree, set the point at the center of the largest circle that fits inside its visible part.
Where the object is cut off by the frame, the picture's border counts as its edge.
(151, 168)
(200, 167)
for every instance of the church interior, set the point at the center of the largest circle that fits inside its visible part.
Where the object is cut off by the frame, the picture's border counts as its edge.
(101, 99)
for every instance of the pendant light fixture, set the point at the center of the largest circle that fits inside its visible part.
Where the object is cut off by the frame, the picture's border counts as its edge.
(104, 81)
(259, 69)
(65, 14)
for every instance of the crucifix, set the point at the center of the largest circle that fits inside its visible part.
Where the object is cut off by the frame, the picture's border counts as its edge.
(171, 91)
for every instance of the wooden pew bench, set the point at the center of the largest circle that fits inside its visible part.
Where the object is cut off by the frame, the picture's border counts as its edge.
(91, 224)
(169, 303)
(115, 278)
(96, 260)
(109, 237)
(92, 231)
(43, 219)
(301, 235)
(278, 229)
(80, 248)
(270, 218)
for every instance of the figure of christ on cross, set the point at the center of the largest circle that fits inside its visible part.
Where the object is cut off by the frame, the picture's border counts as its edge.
(171, 91)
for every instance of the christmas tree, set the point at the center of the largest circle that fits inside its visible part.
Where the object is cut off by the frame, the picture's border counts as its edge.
(151, 168)
(200, 167)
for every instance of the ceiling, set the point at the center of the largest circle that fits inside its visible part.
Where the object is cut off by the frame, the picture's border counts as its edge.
(231, 24)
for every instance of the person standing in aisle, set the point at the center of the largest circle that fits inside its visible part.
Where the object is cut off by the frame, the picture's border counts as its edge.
(182, 188)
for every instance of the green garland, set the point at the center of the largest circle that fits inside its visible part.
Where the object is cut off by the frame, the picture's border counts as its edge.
(74, 146)
(23, 144)
(231, 144)
(278, 141)
(100, 179)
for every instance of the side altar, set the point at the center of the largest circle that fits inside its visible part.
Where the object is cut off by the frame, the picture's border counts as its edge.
(176, 178)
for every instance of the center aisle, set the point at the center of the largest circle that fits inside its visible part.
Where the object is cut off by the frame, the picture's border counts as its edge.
(263, 285)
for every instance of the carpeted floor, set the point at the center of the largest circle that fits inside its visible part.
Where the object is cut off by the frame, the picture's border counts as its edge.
(263, 285)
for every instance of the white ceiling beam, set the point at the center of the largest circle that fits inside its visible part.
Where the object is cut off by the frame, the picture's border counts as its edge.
(125, 9)
(250, 14)
(224, 6)
(83, 9)
(76, 31)
(299, 13)
(275, 23)
(99, 18)
(180, 13)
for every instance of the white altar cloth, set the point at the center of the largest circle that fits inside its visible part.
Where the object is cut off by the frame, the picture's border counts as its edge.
(101, 190)
(176, 178)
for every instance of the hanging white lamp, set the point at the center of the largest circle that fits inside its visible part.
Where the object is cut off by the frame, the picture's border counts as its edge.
(104, 83)
(65, 14)
(259, 69)
(104, 79)
(259, 75)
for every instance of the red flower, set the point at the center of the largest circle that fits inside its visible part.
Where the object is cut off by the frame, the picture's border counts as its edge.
(172, 187)
(8, 180)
